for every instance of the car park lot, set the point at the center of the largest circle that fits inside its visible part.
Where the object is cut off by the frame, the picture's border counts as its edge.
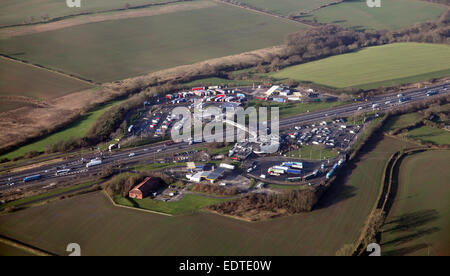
(336, 134)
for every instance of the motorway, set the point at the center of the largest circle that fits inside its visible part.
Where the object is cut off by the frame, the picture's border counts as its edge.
(152, 151)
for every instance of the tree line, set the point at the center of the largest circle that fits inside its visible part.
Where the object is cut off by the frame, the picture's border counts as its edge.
(292, 202)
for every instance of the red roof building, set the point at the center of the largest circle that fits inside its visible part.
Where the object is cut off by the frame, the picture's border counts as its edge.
(146, 187)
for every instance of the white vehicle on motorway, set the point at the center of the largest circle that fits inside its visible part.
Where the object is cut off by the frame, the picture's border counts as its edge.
(399, 95)
(388, 102)
(249, 170)
(360, 108)
(159, 150)
(131, 154)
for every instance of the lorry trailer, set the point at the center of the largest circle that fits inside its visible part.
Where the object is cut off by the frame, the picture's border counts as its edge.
(32, 178)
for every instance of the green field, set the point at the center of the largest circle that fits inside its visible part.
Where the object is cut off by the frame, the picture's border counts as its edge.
(77, 129)
(189, 203)
(430, 135)
(15, 12)
(124, 48)
(18, 79)
(337, 221)
(419, 221)
(402, 121)
(393, 14)
(285, 7)
(372, 67)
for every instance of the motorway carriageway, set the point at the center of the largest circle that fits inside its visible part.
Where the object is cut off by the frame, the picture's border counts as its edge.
(147, 152)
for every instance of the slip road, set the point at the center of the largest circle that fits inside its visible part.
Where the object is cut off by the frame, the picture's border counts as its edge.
(226, 266)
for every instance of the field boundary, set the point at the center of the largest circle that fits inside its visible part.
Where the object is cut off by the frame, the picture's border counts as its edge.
(133, 208)
(264, 12)
(25, 247)
(54, 71)
(387, 193)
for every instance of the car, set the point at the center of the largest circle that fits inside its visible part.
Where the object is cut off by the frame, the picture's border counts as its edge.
(146, 150)
(159, 150)
(249, 170)
(388, 102)
(131, 154)
(360, 108)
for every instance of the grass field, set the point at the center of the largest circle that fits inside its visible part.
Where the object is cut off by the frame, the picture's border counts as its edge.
(393, 14)
(189, 203)
(285, 7)
(15, 12)
(18, 79)
(431, 135)
(402, 121)
(419, 221)
(373, 67)
(77, 129)
(101, 229)
(124, 48)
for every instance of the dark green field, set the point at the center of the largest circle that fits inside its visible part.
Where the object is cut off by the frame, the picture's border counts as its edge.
(9, 105)
(419, 222)
(124, 48)
(100, 228)
(18, 79)
(8, 250)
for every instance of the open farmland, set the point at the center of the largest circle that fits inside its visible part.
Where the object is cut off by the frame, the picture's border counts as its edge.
(285, 7)
(372, 67)
(419, 222)
(118, 49)
(88, 220)
(10, 105)
(77, 129)
(29, 11)
(430, 135)
(402, 121)
(393, 14)
(19, 79)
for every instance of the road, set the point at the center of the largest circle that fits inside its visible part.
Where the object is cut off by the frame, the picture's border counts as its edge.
(152, 151)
